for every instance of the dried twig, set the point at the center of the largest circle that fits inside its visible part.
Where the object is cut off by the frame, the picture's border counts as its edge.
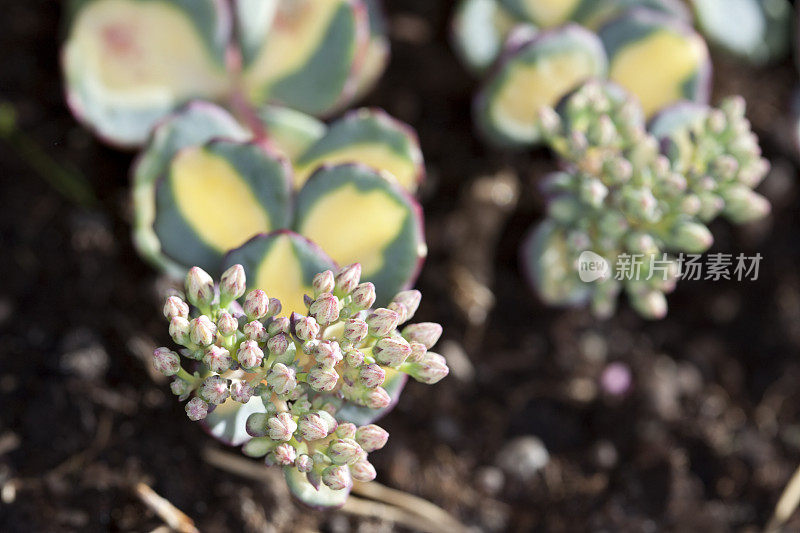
(409, 503)
(371, 509)
(171, 515)
(788, 502)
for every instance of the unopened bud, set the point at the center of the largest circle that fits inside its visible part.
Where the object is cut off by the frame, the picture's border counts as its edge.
(371, 437)
(691, 237)
(232, 284)
(432, 369)
(549, 122)
(410, 299)
(281, 379)
(328, 354)
(285, 454)
(241, 391)
(372, 376)
(364, 296)
(278, 344)
(322, 379)
(651, 304)
(227, 324)
(391, 351)
(179, 387)
(418, 351)
(179, 329)
(382, 321)
(427, 333)
(249, 355)
(174, 306)
(278, 325)
(256, 304)
(315, 426)
(325, 309)
(304, 463)
(337, 477)
(377, 398)
(742, 205)
(346, 430)
(166, 361)
(275, 307)
(202, 331)
(306, 328)
(256, 424)
(199, 287)
(196, 409)
(347, 278)
(281, 427)
(255, 331)
(344, 451)
(354, 358)
(363, 471)
(355, 330)
(215, 390)
(323, 282)
(217, 359)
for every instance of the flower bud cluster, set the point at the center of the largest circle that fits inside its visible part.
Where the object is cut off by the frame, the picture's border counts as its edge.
(623, 192)
(303, 368)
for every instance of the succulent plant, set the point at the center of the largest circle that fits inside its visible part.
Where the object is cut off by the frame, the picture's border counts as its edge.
(206, 186)
(299, 390)
(759, 31)
(128, 63)
(628, 193)
(540, 50)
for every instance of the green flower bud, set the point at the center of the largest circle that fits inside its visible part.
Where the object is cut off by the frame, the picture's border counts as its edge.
(196, 409)
(179, 330)
(742, 205)
(232, 284)
(346, 430)
(354, 358)
(691, 237)
(166, 361)
(174, 306)
(256, 424)
(593, 192)
(371, 437)
(179, 387)
(199, 287)
(650, 304)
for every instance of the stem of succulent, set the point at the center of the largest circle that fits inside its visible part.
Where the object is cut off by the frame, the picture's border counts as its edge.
(787, 504)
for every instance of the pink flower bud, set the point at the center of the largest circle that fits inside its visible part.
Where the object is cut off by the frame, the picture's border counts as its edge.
(337, 477)
(371, 437)
(285, 454)
(382, 321)
(323, 282)
(354, 358)
(377, 398)
(346, 430)
(391, 351)
(304, 463)
(427, 333)
(347, 278)
(232, 284)
(275, 307)
(215, 390)
(256, 304)
(418, 351)
(226, 324)
(363, 471)
(355, 330)
(364, 296)
(217, 359)
(166, 361)
(432, 369)
(278, 344)
(281, 379)
(278, 325)
(410, 300)
(314, 426)
(322, 379)
(328, 354)
(306, 328)
(174, 306)
(281, 427)
(179, 329)
(255, 331)
(196, 409)
(199, 287)
(372, 376)
(202, 331)
(325, 309)
(241, 391)
(249, 355)
(344, 451)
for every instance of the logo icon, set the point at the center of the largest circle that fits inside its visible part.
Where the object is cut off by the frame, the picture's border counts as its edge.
(593, 267)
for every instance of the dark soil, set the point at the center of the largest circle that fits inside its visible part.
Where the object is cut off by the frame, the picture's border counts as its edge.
(705, 439)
